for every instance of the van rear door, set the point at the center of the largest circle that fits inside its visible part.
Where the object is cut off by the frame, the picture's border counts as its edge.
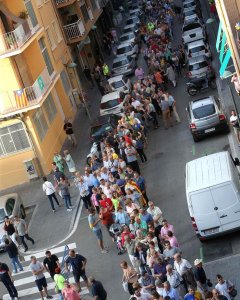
(227, 203)
(204, 212)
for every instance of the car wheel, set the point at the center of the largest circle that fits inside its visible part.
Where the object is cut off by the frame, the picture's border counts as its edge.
(196, 138)
(192, 91)
(22, 212)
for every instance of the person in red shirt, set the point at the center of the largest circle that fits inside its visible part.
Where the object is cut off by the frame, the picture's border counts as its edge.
(126, 232)
(106, 202)
(107, 219)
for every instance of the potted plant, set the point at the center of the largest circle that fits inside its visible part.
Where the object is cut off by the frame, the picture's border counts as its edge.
(23, 15)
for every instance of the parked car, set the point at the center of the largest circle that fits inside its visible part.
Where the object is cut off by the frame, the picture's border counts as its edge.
(190, 12)
(128, 38)
(193, 32)
(198, 48)
(112, 103)
(127, 49)
(133, 20)
(213, 194)
(123, 65)
(131, 28)
(10, 205)
(120, 83)
(190, 4)
(206, 116)
(192, 19)
(198, 67)
(135, 12)
(102, 125)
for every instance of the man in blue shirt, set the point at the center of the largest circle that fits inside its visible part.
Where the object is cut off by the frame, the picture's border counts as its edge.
(140, 181)
(97, 289)
(168, 291)
(146, 216)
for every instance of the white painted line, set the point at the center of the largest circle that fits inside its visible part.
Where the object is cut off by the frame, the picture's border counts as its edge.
(52, 249)
(30, 279)
(34, 290)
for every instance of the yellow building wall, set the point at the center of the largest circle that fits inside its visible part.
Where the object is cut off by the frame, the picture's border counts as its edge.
(8, 81)
(15, 6)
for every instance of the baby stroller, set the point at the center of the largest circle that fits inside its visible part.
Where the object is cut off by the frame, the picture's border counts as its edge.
(116, 230)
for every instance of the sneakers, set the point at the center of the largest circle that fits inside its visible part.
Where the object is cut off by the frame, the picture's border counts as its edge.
(104, 251)
(49, 297)
(69, 209)
(54, 210)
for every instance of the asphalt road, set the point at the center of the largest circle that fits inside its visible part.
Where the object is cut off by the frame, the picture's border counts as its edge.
(168, 152)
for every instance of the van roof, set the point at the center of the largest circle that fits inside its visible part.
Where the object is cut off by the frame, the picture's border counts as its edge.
(207, 171)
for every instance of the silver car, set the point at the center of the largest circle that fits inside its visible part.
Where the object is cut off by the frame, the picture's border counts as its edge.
(192, 32)
(127, 49)
(123, 66)
(133, 20)
(198, 48)
(206, 116)
(128, 38)
(131, 28)
(198, 67)
(10, 205)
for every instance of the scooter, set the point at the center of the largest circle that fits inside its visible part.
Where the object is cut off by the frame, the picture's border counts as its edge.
(94, 151)
(201, 84)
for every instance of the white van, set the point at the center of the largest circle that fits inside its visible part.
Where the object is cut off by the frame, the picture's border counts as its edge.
(213, 194)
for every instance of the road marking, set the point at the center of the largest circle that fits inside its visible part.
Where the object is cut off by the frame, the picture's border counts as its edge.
(201, 253)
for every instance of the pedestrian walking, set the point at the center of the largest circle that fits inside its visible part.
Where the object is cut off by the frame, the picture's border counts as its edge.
(129, 277)
(200, 276)
(84, 192)
(94, 221)
(69, 161)
(78, 264)
(50, 263)
(170, 73)
(37, 270)
(10, 230)
(57, 158)
(165, 112)
(22, 230)
(106, 217)
(59, 281)
(68, 128)
(97, 289)
(50, 190)
(69, 292)
(7, 279)
(225, 287)
(13, 254)
(172, 106)
(65, 193)
(88, 75)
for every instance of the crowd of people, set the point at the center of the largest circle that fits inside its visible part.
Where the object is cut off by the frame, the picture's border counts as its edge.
(114, 190)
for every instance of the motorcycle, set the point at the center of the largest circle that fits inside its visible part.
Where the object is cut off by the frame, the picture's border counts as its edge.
(94, 151)
(198, 85)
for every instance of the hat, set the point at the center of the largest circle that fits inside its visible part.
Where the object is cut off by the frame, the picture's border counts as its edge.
(197, 261)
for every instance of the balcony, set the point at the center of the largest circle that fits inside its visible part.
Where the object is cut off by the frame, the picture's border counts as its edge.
(15, 42)
(13, 102)
(63, 3)
(74, 31)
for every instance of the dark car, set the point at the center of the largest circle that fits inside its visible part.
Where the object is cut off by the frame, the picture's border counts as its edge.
(103, 125)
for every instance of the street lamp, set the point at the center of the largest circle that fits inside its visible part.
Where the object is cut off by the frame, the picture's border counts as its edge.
(73, 65)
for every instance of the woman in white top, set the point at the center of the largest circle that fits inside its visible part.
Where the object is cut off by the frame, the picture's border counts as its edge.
(50, 190)
(69, 161)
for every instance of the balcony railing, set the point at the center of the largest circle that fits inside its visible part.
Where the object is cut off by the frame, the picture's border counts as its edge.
(22, 99)
(62, 3)
(74, 30)
(15, 39)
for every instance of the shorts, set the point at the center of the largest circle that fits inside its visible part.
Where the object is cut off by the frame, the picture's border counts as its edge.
(78, 275)
(41, 283)
(99, 234)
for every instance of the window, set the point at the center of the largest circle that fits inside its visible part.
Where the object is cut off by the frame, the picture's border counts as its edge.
(46, 56)
(85, 13)
(31, 13)
(10, 206)
(56, 31)
(65, 82)
(13, 138)
(94, 5)
(50, 108)
(50, 39)
(40, 123)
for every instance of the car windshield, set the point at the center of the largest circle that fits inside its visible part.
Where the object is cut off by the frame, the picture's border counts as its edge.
(131, 21)
(124, 49)
(117, 84)
(2, 215)
(98, 130)
(190, 4)
(126, 38)
(204, 111)
(194, 67)
(197, 49)
(191, 26)
(109, 104)
(120, 63)
(190, 12)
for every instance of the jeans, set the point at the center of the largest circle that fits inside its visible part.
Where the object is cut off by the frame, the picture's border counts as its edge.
(142, 155)
(67, 201)
(15, 262)
(23, 241)
(51, 197)
(87, 201)
(10, 287)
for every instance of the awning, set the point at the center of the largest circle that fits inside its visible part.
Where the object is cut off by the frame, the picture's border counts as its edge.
(223, 49)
